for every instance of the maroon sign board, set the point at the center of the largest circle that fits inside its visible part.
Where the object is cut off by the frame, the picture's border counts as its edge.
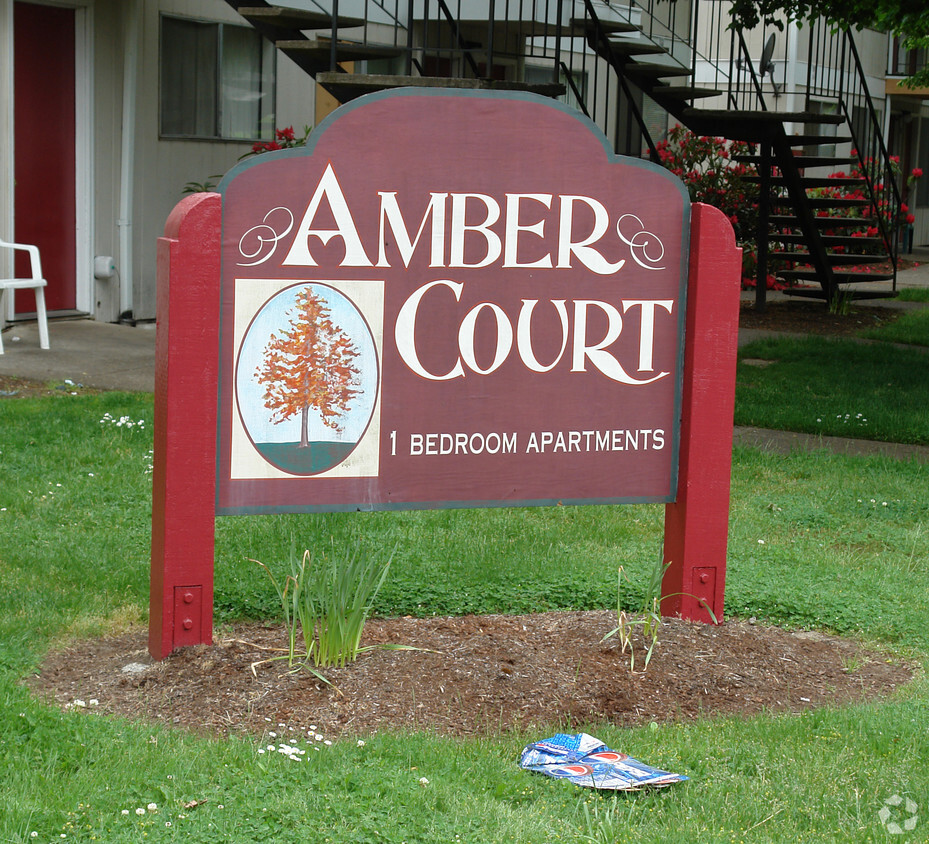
(446, 299)
(504, 297)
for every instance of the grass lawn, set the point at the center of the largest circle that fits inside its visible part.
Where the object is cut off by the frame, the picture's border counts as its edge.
(823, 385)
(816, 540)
(911, 327)
(913, 294)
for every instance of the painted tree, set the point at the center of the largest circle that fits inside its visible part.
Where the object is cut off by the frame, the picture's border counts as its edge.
(309, 366)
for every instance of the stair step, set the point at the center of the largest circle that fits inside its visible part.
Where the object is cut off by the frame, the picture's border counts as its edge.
(825, 202)
(313, 54)
(683, 92)
(818, 293)
(608, 27)
(817, 140)
(768, 117)
(811, 181)
(822, 222)
(809, 161)
(347, 86)
(803, 161)
(838, 276)
(280, 18)
(829, 240)
(656, 70)
(627, 47)
(832, 258)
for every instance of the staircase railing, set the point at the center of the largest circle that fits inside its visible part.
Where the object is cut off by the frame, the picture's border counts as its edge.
(839, 77)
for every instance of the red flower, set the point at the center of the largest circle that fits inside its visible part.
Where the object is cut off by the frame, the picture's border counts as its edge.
(285, 134)
(910, 219)
(917, 172)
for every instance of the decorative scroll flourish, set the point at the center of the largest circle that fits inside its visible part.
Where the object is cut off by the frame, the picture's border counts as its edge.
(643, 244)
(260, 242)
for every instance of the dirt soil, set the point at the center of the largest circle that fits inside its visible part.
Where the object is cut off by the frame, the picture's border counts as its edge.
(481, 674)
(803, 317)
(474, 674)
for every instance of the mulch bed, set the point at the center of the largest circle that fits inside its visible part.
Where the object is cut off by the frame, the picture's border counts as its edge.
(475, 674)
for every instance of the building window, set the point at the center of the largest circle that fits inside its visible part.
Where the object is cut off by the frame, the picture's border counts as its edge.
(217, 81)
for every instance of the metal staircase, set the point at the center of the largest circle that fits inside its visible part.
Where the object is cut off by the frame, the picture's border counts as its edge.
(617, 63)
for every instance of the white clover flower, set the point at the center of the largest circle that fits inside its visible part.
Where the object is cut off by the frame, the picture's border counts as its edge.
(33, 834)
(152, 807)
(360, 743)
(124, 812)
(140, 811)
(327, 743)
(423, 782)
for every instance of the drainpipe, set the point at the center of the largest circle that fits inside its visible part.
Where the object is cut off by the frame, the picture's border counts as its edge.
(7, 163)
(127, 153)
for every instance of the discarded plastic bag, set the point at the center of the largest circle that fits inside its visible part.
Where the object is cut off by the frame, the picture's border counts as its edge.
(586, 761)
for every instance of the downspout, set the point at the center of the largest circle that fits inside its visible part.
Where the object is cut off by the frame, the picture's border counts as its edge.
(891, 66)
(127, 154)
(7, 165)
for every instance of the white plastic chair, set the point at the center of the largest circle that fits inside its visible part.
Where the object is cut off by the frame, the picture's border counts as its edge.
(36, 282)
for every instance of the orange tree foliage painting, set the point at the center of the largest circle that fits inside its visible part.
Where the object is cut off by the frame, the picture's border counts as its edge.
(311, 366)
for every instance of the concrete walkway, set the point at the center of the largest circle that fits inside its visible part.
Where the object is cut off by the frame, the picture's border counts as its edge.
(95, 354)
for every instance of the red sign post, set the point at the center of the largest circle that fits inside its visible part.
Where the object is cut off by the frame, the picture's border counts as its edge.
(481, 306)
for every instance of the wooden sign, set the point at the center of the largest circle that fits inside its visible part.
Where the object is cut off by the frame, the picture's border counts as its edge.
(477, 303)
(449, 299)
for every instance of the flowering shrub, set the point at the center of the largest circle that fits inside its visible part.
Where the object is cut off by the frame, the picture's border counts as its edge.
(878, 209)
(709, 169)
(283, 139)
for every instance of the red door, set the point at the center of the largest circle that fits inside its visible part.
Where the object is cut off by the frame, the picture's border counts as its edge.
(44, 152)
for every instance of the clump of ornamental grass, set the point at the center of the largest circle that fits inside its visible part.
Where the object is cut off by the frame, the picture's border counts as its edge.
(326, 602)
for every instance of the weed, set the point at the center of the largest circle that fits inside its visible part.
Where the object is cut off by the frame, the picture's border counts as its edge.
(841, 303)
(649, 615)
